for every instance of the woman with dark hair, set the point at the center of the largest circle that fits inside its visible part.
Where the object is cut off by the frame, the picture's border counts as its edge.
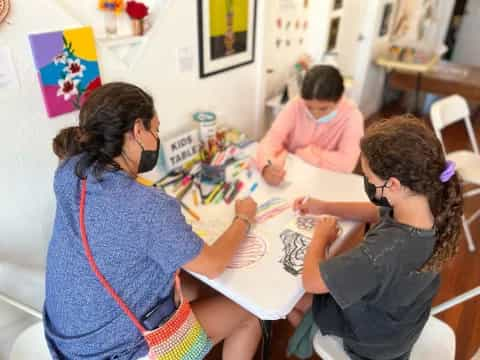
(322, 127)
(138, 239)
(377, 297)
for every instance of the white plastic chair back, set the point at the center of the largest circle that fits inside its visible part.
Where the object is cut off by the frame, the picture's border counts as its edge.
(437, 341)
(31, 344)
(449, 110)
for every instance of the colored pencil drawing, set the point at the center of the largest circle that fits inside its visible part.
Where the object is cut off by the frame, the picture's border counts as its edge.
(294, 248)
(270, 209)
(305, 225)
(251, 250)
(67, 68)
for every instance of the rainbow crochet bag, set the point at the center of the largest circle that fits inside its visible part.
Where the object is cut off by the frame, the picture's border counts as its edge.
(180, 337)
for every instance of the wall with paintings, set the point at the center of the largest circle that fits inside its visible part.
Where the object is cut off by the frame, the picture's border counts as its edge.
(414, 22)
(165, 63)
(286, 39)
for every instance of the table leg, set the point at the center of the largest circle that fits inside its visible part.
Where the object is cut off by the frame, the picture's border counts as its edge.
(385, 88)
(417, 92)
(266, 338)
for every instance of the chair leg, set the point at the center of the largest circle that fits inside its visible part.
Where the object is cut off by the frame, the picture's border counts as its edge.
(468, 235)
(266, 338)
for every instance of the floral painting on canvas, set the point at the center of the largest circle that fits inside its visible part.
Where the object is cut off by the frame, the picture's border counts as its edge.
(67, 68)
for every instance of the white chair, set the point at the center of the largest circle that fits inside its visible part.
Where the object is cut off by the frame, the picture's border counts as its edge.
(446, 112)
(437, 340)
(31, 344)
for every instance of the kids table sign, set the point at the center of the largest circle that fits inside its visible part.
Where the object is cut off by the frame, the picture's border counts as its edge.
(179, 150)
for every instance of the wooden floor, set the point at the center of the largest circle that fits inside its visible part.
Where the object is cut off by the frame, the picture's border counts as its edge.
(461, 275)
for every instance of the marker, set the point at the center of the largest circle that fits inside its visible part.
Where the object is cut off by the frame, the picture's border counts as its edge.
(190, 211)
(171, 182)
(221, 194)
(183, 191)
(232, 188)
(199, 188)
(252, 189)
(195, 197)
(183, 182)
(234, 192)
(214, 193)
(304, 201)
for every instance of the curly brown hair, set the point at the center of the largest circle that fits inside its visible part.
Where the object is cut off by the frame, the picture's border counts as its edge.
(405, 148)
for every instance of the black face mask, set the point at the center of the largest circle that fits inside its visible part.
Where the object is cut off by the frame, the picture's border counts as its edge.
(148, 158)
(371, 191)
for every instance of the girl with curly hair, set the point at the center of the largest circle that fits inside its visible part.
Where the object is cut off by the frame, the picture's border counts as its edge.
(377, 296)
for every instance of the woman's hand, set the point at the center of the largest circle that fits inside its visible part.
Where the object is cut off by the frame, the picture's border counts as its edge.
(246, 207)
(311, 206)
(326, 230)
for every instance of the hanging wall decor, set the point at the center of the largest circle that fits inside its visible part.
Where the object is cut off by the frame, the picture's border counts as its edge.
(4, 9)
(384, 26)
(226, 30)
(67, 68)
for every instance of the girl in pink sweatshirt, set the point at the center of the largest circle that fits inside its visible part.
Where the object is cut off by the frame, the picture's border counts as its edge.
(322, 127)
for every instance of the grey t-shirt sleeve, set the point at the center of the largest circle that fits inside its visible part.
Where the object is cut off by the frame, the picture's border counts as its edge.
(350, 276)
(172, 243)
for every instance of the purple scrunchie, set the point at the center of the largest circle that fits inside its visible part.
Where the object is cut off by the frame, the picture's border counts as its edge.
(448, 172)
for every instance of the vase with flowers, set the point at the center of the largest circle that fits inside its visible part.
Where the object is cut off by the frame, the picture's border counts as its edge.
(111, 8)
(137, 11)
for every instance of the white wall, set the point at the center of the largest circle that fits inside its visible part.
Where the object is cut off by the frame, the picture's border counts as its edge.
(27, 162)
(278, 63)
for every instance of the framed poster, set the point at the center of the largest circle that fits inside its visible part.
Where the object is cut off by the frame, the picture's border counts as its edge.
(333, 34)
(226, 34)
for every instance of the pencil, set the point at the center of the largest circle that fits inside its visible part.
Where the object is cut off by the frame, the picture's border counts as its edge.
(190, 211)
(195, 197)
(181, 193)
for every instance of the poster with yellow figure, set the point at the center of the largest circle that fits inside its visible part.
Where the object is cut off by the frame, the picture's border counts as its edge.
(228, 27)
(227, 34)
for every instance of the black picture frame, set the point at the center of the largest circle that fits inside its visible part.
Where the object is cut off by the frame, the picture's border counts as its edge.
(205, 59)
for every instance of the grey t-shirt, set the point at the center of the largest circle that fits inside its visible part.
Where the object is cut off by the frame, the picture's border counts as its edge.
(379, 301)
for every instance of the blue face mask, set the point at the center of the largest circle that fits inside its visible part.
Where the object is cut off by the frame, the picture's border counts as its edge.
(326, 118)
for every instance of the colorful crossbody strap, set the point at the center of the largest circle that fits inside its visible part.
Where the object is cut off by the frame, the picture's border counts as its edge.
(99, 274)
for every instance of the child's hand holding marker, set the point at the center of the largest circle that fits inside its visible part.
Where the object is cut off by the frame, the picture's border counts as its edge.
(306, 205)
(300, 210)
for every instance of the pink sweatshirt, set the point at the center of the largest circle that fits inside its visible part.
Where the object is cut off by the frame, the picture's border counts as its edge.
(334, 145)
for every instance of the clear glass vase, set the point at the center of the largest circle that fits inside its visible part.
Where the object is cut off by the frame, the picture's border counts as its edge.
(110, 22)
